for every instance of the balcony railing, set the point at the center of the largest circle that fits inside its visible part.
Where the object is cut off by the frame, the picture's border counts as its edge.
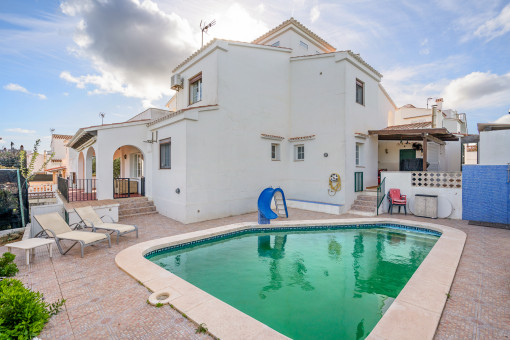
(128, 187)
(79, 190)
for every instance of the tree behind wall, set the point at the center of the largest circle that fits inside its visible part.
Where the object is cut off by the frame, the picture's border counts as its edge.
(9, 159)
(116, 168)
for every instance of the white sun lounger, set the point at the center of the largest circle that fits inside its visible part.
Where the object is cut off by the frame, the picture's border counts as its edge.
(54, 226)
(90, 219)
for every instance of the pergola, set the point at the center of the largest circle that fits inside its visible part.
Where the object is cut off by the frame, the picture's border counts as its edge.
(425, 135)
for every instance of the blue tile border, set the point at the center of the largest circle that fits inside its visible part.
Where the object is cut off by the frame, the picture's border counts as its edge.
(296, 228)
(314, 202)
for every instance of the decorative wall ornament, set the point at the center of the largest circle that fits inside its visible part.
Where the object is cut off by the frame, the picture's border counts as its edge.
(437, 179)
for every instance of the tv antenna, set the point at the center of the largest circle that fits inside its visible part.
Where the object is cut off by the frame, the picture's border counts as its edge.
(204, 27)
(429, 98)
(52, 130)
(102, 114)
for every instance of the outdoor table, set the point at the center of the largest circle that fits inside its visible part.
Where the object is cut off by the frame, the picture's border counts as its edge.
(30, 244)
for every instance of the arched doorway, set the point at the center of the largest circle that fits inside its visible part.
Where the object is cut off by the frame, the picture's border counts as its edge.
(128, 172)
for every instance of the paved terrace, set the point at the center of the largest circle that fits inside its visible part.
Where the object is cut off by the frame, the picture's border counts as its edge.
(104, 302)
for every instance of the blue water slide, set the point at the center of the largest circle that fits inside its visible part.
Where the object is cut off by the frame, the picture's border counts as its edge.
(264, 205)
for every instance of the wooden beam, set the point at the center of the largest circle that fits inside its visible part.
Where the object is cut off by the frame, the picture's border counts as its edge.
(408, 132)
(424, 153)
(434, 139)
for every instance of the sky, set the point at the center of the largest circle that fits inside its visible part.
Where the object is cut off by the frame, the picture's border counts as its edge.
(62, 63)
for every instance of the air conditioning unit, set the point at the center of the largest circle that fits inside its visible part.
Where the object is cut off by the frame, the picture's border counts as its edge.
(176, 82)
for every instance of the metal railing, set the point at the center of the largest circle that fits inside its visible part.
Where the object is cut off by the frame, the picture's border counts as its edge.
(358, 181)
(80, 190)
(63, 187)
(128, 187)
(381, 192)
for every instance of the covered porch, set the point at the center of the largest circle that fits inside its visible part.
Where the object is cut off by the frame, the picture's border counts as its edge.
(110, 163)
(413, 149)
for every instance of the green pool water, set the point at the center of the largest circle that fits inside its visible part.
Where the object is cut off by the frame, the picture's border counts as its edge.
(328, 284)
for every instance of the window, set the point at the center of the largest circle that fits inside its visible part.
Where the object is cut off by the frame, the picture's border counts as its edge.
(275, 151)
(303, 45)
(360, 92)
(276, 44)
(136, 165)
(164, 153)
(195, 89)
(299, 153)
(359, 154)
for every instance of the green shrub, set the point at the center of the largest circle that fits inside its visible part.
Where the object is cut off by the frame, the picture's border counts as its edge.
(23, 313)
(7, 267)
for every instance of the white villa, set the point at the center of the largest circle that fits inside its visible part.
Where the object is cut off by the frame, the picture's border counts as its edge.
(286, 110)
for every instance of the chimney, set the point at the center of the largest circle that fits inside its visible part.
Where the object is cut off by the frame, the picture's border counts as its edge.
(434, 116)
(439, 103)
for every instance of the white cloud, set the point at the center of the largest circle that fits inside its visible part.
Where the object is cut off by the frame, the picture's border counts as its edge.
(415, 83)
(315, 13)
(15, 87)
(236, 23)
(503, 119)
(496, 26)
(20, 130)
(19, 88)
(478, 90)
(132, 45)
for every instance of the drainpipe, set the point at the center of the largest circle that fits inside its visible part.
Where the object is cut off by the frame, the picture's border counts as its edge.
(434, 116)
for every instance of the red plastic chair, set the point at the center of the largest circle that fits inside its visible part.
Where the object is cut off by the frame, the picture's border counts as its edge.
(395, 198)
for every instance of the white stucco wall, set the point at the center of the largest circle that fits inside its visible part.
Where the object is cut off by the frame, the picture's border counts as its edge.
(220, 162)
(494, 147)
(292, 39)
(447, 197)
(165, 182)
(453, 155)
(228, 163)
(207, 63)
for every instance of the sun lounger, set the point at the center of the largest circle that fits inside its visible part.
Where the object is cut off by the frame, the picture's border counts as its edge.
(90, 219)
(54, 226)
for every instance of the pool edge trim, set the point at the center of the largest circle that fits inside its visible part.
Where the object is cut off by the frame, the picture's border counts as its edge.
(415, 312)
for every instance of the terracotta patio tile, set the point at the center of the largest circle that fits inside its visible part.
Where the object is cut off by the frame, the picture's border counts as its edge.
(477, 308)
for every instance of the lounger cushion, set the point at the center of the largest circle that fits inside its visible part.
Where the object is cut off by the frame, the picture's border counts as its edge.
(89, 215)
(54, 222)
(114, 226)
(85, 236)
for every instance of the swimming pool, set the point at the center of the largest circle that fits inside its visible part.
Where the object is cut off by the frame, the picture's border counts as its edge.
(328, 282)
